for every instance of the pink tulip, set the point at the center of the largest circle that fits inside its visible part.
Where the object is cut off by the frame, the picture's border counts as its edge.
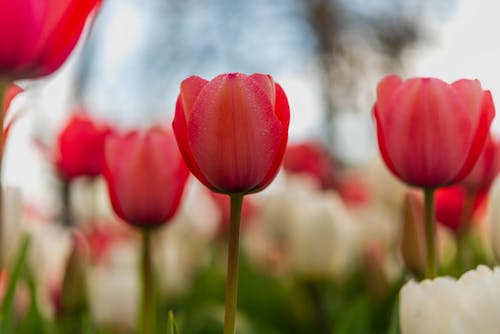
(145, 175)
(232, 131)
(431, 133)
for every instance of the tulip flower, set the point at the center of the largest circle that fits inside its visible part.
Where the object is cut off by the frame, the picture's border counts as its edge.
(80, 147)
(430, 135)
(232, 132)
(313, 159)
(448, 306)
(36, 37)
(146, 177)
(79, 152)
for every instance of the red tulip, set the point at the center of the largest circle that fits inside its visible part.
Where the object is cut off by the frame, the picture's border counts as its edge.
(146, 176)
(453, 209)
(80, 147)
(232, 131)
(36, 36)
(431, 133)
(313, 159)
(486, 168)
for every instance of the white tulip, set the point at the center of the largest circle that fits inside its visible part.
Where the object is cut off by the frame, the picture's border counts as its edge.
(494, 217)
(444, 305)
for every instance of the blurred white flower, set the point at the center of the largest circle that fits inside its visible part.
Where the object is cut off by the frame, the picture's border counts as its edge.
(494, 217)
(181, 246)
(12, 216)
(444, 305)
(311, 229)
(90, 200)
(114, 287)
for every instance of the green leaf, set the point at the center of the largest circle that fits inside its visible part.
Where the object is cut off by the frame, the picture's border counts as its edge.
(6, 312)
(171, 326)
(394, 325)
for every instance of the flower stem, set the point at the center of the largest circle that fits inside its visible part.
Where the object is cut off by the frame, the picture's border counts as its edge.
(430, 234)
(3, 88)
(146, 319)
(232, 264)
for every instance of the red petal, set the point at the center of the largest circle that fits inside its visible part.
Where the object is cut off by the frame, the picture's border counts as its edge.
(179, 126)
(482, 130)
(282, 110)
(266, 83)
(63, 32)
(386, 89)
(190, 89)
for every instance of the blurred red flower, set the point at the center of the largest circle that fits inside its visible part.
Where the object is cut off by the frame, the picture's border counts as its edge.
(36, 36)
(145, 175)
(486, 168)
(455, 207)
(311, 158)
(232, 131)
(223, 202)
(431, 133)
(80, 147)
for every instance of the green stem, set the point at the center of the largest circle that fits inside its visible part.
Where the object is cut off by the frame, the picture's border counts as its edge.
(317, 295)
(232, 264)
(67, 214)
(3, 88)
(430, 233)
(147, 316)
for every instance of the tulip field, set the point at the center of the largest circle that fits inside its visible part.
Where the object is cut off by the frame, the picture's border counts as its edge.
(219, 218)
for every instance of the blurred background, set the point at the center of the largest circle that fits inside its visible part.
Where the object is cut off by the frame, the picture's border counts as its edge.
(328, 55)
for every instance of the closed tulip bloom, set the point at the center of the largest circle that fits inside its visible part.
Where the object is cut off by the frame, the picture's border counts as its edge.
(146, 176)
(80, 147)
(431, 133)
(486, 168)
(232, 131)
(36, 36)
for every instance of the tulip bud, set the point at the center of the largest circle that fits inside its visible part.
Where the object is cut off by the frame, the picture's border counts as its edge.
(232, 131)
(145, 175)
(431, 133)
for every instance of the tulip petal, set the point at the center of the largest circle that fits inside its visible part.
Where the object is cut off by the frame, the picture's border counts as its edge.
(179, 125)
(486, 115)
(386, 89)
(20, 27)
(282, 110)
(266, 83)
(234, 133)
(64, 28)
(190, 89)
